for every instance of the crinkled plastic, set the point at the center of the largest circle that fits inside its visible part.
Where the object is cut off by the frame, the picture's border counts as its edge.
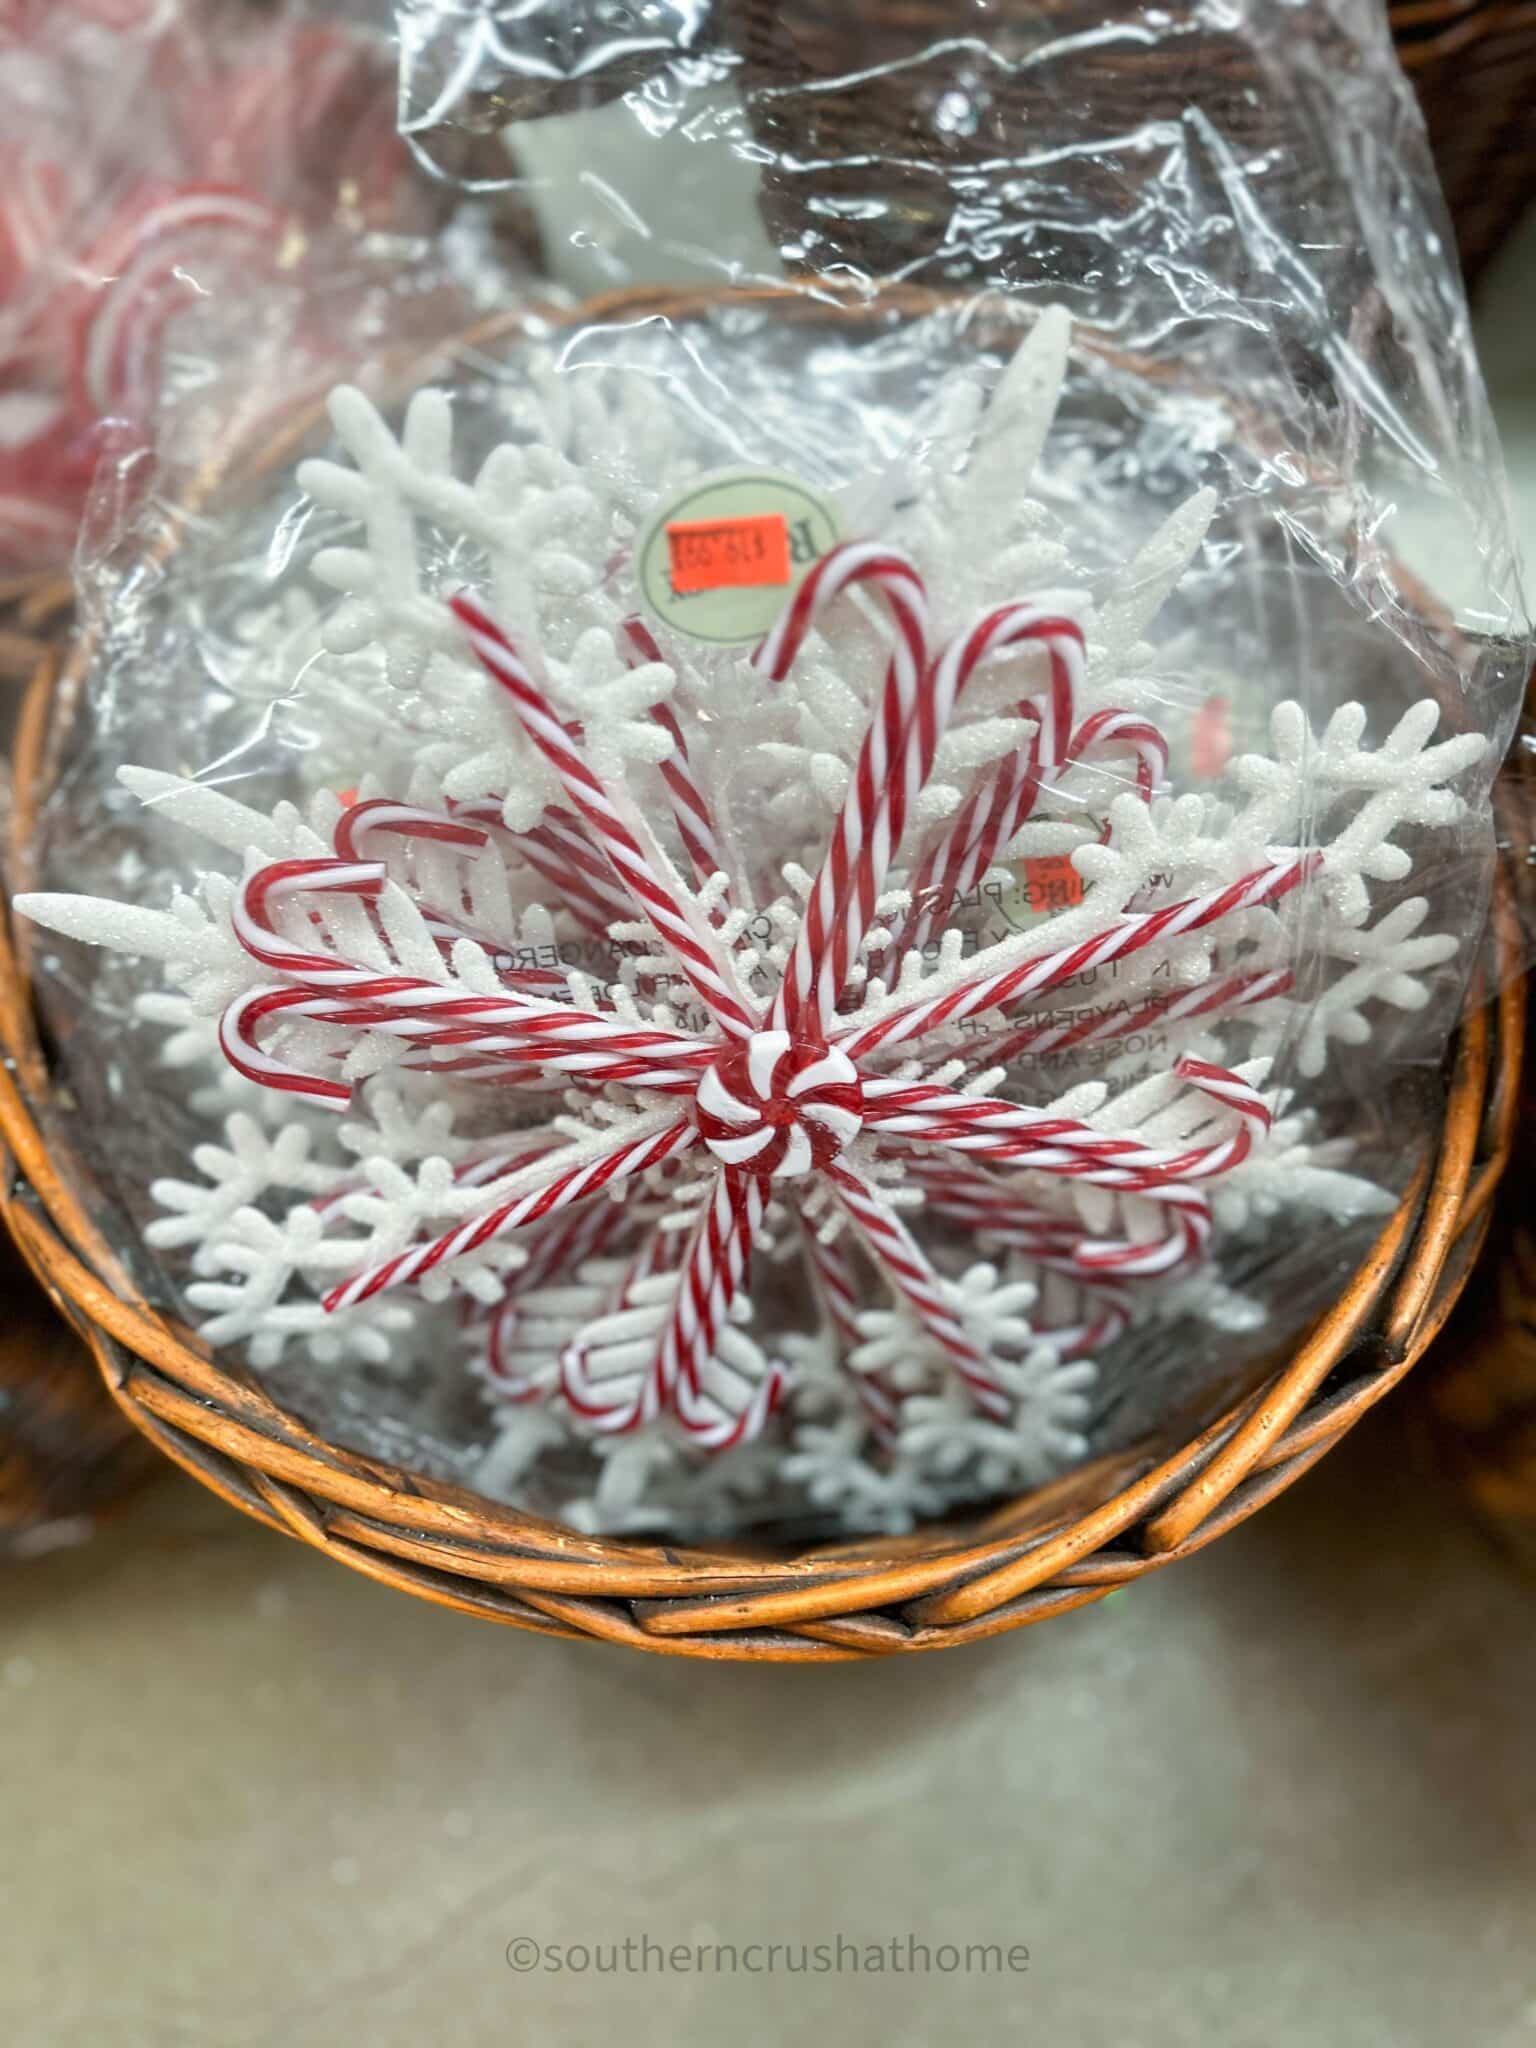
(1132, 337)
(236, 160)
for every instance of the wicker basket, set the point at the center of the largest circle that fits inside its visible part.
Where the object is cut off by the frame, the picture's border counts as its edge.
(1101, 1527)
(1473, 63)
(1061, 1547)
(820, 102)
(31, 608)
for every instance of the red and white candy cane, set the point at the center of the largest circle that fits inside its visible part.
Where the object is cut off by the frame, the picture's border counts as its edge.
(927, 1113)
(562, 1246)
(146, 261)
(718, 1256)
(1188, 1238)
(408, 822)
(1066, 1247)
(961, 856)
(887, 775)
(688, 936)
(482, 1037)
(976, 990)
(521, 1031)
(995, 810)
(695, 820)
(990, 1212)
(360, 821)
(837, 1293)
(895, 1251)
(729, 1409)
(284, 881)
(619, 1162)
(1124, 731)
(561, 849)
(717, 1405)
(1101, 1323)
(1003, 1223)
(1219, 996)
(614, 1402)
(558, 849)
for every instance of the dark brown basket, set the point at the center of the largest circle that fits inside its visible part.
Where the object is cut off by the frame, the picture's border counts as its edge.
(852, 98)
(1060, 1547)
(1473, 63)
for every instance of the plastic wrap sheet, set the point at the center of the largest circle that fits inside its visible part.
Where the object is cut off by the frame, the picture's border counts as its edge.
(809, 244)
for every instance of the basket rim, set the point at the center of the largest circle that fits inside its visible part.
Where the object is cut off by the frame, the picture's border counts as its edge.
(1062, 1546)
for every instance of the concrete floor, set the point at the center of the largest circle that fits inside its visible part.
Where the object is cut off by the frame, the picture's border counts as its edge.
(1283, 1794)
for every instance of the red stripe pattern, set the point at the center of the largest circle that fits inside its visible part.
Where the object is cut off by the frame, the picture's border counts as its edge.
(763, 1100)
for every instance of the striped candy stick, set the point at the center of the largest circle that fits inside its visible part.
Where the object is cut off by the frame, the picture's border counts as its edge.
(718, 1257)
(562, 840)
(560, 852)
(1004, 802)
(1125, 731)
(1011, 1225)
(1002, 1221)
(893, 1248)
(976, 988)
(1018, 786)
(841, 904)
(338, 991)
(1098, 1328)
(833, 1284)
(733, 1410)
(695, 820)
(561, 1246)
(960, 857)
(718, 1405)
(1186, 1242)
(1218, 997)
(965, 850)
(615, 1162)
(616, 1402)
(360, 821)
(496, 1037)
(1033, 1139)
(264, 893)
(686, 935)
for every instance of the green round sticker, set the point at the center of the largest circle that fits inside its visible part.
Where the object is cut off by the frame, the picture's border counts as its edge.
(721, 560)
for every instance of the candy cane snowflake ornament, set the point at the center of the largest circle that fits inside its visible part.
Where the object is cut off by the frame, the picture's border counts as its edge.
(715, 1084)
(787, 1099)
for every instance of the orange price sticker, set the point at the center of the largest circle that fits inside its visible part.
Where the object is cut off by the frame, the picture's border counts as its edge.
(1051, 882)
(728, 554)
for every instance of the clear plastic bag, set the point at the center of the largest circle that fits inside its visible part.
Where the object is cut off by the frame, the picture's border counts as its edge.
(905, 929)
(236, 158)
